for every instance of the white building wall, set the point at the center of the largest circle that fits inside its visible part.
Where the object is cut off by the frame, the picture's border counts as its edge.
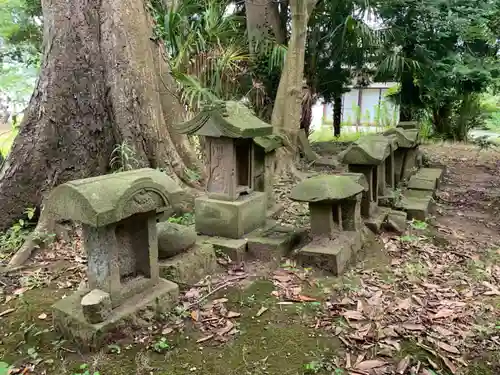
(375, 109)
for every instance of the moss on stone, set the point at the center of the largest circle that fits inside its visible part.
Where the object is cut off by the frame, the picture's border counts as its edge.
(326, 188)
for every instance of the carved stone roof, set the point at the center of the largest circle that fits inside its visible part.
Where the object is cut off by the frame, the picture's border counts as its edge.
(367, 151)
(269, 142)
(103, 200)
(326, 188)
(405, 138)
(227, 119)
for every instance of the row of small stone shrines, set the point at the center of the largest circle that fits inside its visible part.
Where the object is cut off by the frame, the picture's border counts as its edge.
(133, 263)
(385, 186)
(120, 215)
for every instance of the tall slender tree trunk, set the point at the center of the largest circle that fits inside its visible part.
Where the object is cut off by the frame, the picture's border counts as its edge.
(103, 82)
(337, 114)
(287, 107)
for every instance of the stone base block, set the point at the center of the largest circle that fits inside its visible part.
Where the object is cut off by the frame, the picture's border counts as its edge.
(396, 221)
(426, 179)
(273, 242)
(375, 222)
(231, 219)
(71, 323)
(236, 250)
(417, 203)
(332, 255)
(190, 266)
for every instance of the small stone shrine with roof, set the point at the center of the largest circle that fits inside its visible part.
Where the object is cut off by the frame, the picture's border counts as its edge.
(118, 214)
(232, 206)
(337, 229)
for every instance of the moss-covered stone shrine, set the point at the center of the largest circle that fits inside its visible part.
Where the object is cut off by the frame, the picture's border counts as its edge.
(118, 214)
(336, 224)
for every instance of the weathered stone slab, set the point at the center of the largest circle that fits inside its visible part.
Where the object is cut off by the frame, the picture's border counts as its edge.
(70, 320)
(174, 239)
(409, 125)
(396, 221)
(377, 219)
(332, 255)
(273, 242)
(417, 203)
(235, 249)
(231, 219)
(410, 164)
(190, 266)
(96, 306)
(431, 174)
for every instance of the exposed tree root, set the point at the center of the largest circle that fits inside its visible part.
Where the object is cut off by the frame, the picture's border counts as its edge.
(37, 239)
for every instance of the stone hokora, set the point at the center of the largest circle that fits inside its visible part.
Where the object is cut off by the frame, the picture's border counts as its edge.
(368, 156)
(118, 215)
(336, 224)
(232, 206)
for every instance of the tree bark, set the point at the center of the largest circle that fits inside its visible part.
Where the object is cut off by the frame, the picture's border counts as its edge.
(337, 115)
(102, 82)
(263, 21)
(287, 107)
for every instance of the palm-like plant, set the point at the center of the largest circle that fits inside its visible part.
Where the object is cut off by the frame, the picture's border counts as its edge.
(206, 49)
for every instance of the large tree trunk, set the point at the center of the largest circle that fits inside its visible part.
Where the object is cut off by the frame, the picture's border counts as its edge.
(287, 107)
(103, 82)
(337, 115)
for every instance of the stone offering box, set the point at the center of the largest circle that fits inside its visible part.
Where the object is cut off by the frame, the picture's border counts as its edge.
(232, 206)
(118, 214)
(337, 230)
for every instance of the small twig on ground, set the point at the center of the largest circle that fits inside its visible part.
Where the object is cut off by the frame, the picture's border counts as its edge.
(213, 291)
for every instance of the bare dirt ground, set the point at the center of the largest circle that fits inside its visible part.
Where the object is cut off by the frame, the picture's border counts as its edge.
(426, 302)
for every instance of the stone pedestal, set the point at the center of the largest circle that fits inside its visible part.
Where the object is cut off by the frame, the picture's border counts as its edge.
(70, 320)
(231, 219)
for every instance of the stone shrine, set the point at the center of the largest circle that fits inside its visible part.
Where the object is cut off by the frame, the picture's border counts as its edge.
(337, 229)
(265, 165)
(118, 214)
(232, 206)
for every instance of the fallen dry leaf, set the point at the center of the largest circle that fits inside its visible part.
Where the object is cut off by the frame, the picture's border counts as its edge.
(233, 314)
(413, 327)
(203, 339)
(229, 326)
(261, 311)
(195, 315)
(448, 348)
(403, 365)
(371, 364)
(42, 316)
(220, 300)
(443, 313)
(167, 330)
(354, 315)
(449, 364)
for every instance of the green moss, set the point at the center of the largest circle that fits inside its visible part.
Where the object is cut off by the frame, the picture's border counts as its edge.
(276, 342)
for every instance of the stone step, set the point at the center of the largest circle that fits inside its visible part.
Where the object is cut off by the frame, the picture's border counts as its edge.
(426, 179)
(332, 255)
(377, 219)
(416, 203)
